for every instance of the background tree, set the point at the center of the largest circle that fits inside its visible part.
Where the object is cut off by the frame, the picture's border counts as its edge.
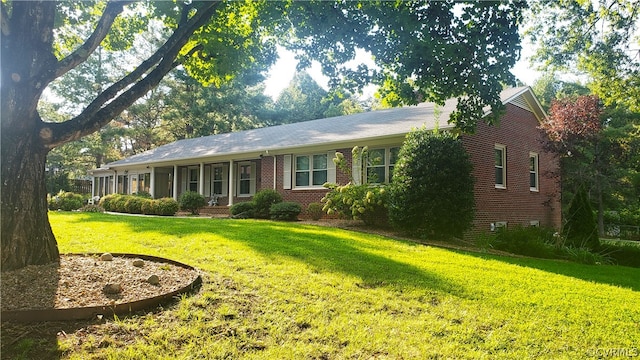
(597, 147)
(595, 38)
(580, 229)
(195, 110)
(431, 193)
(446, 49)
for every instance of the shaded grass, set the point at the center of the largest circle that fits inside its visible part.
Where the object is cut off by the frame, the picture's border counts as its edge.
(290, 291)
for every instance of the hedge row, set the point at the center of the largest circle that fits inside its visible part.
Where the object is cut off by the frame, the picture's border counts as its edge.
(133, 204)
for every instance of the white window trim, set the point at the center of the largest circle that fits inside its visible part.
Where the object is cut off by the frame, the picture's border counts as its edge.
(331, 170)
(224, 181)
(387, 165)
(503, 148)
(252, 179)
(536, 170)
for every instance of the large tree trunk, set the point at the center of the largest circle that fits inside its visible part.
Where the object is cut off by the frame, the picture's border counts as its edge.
(26, 234)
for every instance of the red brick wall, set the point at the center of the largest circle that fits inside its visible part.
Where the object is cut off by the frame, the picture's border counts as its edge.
(517, 204)
(303, 197)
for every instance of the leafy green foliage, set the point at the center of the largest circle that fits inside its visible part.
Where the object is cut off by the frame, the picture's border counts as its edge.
(314, 210)
(133, 204)
(598, 39)
(530, 241)
(422, 49)
(366, 202)
(66, 201)
(431, 193)
(139, 205)
(263, 200)
(192, 201)
(286, 210)
(162, 206)
(243, 209)
(580, 229)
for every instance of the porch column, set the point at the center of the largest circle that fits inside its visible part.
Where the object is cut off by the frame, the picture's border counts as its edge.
(93, 185)
(115, 182)
(201, 180)
(175, 182)
(275, 174)
(152, 179)
(232, 186)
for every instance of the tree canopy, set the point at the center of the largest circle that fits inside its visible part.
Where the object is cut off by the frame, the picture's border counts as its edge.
(600, 39)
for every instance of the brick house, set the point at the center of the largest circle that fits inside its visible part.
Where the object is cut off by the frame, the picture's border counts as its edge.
(513, 185)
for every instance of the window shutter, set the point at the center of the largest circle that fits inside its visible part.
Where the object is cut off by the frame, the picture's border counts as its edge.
(331, 167)
(356, 170)
(225, 180)
(286, 179)
(252, 181)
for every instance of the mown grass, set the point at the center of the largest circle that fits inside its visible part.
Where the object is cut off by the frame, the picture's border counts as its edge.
(293, 291)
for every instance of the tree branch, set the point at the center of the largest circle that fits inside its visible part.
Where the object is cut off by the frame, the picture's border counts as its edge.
(80, 55)
(97, 114)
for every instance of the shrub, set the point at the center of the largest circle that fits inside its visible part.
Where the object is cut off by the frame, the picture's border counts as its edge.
(314, 210)
(66, 201)
(118, 204)
(287, 211)
(360, 202)
(431, 194)
(624, 254)
(133, 204)
(92, 208)
(581, 229)
(192, 201)
(529, 241)
(165, 206)
(107, 201)
(242, 210)
(263, 200)
(586, 256)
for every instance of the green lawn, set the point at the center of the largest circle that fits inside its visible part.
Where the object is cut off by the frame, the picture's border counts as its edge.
(294, 291)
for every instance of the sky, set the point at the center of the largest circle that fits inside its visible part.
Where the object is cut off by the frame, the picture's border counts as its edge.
(282, 72)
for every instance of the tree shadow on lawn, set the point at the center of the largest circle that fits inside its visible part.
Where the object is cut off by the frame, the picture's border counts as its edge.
(334, 251)
(324, 249)
(623, 276)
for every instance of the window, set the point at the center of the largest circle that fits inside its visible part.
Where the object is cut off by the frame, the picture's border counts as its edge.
(376, 166)
(134, 183)
(123, 182)
(380, 164)
(311, 170)
(217, 180)
(534, 223)
(501, 166)
(498, 225)
(144, 182)
(533, 171)
(193, 179)
(244, 181)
